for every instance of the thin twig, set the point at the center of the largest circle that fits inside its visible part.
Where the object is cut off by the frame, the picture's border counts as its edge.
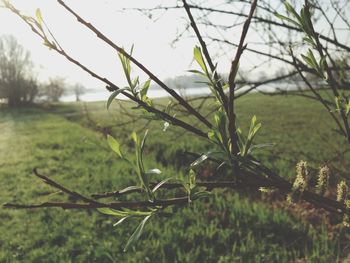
(62, 188)
(231, 81)
(255, 181)
(207, 56)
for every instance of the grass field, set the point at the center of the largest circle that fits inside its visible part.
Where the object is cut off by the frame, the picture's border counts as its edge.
(68, 145)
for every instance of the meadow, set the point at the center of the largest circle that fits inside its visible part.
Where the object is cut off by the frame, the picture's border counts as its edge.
(66, 141)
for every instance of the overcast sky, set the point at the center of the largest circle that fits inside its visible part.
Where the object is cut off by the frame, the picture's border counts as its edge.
(152, 40)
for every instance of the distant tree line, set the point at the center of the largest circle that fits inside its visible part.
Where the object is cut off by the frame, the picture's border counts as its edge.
(19, 84)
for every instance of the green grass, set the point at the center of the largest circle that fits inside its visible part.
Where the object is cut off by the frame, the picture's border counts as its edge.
(63, 144)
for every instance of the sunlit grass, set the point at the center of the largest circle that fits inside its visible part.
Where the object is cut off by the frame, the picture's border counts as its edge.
(62, 143)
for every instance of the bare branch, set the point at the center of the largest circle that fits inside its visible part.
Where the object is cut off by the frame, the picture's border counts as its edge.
(218, 85)
(231, 81)
(62, 188)
(104, 38)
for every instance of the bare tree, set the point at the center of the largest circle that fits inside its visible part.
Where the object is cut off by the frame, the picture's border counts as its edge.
(79, 90)
(54, 90)
(17, 85)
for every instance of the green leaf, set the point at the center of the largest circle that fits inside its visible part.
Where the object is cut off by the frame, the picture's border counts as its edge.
(291, 10)
(160, 184)
(114, 144)
(121, 220)
(168, 107)
(143, 176)
(259, 146)
(138, 213)
(282, 17)
(144, 141)
(211, 135)
(226, 86)
(197, 72)
(130, 188)
(347, 108)
(143, 91)
(49, 44)
(192, 179)
(337, 103)
(113, 95)
(122, 213)
(304, 19)
(154, 171)
(310, 60)
(322, 63)
(312, 57)
(112, 212)
(197, 54)
(127, 67)
(253, 121)
(137, 233)
(134, 137)
(39, 17)
(201, 159)
(199, 195)
(310, 41)
(255, 130)
(135, 83)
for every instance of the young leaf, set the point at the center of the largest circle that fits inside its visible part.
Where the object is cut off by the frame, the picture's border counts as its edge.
(259, 146)
(310, 41)
(143, 91)
(211, 135)
(199, 160)
(201, 194)
(347, 109)
(137, 233)
(322, 63)
(154, 171)
(197, 54)
(126, 67)
(196, 72)
(113, 95)
(337, 103)
(160, 184)
(312, 56)
(112, 212)
(282, 17)
(121, 220)
(135, 138)
(130, 188)
(144, 141)
(114, 144)
(254, 128)
(192, 179)
(290, 9)
(304, 19)
(39, 17)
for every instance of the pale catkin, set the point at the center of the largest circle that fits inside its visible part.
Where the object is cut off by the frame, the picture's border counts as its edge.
(323, 179)
(300, 182)
(342, 190)
(346, 221)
